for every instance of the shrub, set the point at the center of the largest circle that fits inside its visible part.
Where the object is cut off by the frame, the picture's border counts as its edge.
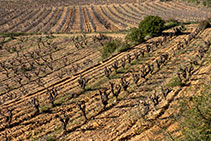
(51, 138)
(171, 23)
(194, 1)
(114, 46)
(207, 3)
(135, 36)
(123, 47)
(151, 26)
(110, 47)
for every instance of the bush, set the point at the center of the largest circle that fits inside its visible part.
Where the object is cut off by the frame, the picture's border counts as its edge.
(195, 1)
(110, 47)
(135, 36)
(171, 23)
(207, 3)
(114, 46)
(151, 26)
(51, 138)
(123, 47)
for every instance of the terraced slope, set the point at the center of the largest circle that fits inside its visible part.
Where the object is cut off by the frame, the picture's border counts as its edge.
(122, 118)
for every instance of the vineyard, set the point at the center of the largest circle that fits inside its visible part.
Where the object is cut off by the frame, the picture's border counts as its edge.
(57, 86)
(92, 18)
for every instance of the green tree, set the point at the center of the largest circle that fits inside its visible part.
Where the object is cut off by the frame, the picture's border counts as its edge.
(151, 26)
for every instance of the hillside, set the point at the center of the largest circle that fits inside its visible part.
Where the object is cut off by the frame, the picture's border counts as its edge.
(56, 83)
(122, 118)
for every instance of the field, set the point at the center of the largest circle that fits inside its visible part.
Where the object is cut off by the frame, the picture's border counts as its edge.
(94, 18)
(54, 84)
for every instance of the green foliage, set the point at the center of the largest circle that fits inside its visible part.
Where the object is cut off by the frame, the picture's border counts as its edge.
(207, 3)
(197, 119)
(44, 108)
(25, 69)
(123, 47)
(59, 101)
(110, 47)
(114, 46)
(171, 23)
(97, 84)
(194, 1)
(51, 138)
(174, 82)
(15, 34)
(151, 26)
(135, 35)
